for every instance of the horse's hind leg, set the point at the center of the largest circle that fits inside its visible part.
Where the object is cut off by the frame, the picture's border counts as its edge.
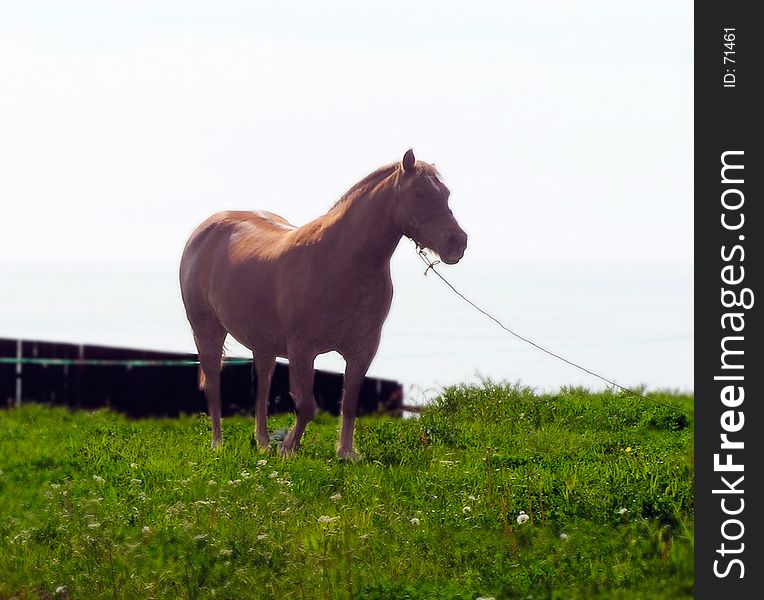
(301, 388)
(209, 337)
(355, 373)
(264, 364)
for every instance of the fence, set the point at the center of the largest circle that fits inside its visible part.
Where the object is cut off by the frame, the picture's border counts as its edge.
(144, 383)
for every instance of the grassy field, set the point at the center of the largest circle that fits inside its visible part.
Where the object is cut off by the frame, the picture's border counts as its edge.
(96, 506)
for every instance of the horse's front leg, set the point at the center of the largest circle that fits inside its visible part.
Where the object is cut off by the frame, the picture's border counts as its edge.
(264, 364)
(301, 389)
(355, 372)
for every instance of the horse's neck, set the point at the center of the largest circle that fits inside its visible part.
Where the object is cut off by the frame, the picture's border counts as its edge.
(366, 231)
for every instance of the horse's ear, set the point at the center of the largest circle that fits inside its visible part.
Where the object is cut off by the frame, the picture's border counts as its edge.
(408, 161)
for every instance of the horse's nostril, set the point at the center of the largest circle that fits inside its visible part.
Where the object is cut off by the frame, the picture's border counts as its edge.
(457, 240)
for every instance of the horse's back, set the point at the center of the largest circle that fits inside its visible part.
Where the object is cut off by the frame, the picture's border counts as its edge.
(225, 240)
(230, 264)
(229, 232)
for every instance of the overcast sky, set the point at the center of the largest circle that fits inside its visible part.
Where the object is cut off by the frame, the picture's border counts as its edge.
(564, 129)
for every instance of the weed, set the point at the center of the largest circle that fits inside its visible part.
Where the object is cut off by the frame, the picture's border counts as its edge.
(493, 491)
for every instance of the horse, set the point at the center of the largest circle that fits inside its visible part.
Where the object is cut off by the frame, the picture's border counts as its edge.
(297, 292)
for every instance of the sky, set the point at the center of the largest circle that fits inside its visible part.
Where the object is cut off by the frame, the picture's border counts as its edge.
(563, 129)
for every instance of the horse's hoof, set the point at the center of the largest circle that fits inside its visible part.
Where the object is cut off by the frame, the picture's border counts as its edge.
(351, 456)
(286, 452)
(260, 445)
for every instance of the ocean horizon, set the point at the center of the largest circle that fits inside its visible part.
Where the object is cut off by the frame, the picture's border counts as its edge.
(631, 323)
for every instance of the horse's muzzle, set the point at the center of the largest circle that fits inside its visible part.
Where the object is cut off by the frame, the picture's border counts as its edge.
(454, 248)
(451, 260)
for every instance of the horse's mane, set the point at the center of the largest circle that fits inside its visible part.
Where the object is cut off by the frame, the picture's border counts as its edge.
(363, 187)
(314, 231)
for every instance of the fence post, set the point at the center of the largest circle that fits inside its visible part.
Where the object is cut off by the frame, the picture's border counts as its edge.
(19, 353)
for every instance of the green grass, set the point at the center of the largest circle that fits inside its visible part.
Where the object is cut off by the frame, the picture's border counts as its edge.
(97, 506)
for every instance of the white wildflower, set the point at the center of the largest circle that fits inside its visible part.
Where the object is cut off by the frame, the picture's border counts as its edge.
(23, 537)
(335, 497)
(136, 481)
(61, 589)
(245, 474)
(414, 521)
(261, 537)
(522, 518)
(94, 525)
(262, 462)
(98, 479)
(133, 465)
(145, 529)
(234, 482)
(471, 498)
(327, 519)
(273, 474)
(485, 598)
(175, 509)
(200, 538)
(466, 510)
(212, 482)
(564, 536)
(623, 511)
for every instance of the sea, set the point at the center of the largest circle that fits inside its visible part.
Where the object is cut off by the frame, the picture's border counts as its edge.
(630, 323)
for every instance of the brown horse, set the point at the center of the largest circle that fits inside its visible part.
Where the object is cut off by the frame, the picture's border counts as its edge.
(297, 292)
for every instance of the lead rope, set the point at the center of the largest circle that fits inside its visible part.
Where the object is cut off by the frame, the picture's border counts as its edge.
(431, 267)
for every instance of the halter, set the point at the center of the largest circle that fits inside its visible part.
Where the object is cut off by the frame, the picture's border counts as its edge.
(414, 222)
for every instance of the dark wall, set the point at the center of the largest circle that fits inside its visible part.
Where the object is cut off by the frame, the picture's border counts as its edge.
(146, 391)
